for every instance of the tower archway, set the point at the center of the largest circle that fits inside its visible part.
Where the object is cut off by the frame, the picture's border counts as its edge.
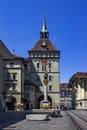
(10, 102)
(41, 98)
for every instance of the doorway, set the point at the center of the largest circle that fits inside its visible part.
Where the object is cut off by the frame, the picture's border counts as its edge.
(41, 98)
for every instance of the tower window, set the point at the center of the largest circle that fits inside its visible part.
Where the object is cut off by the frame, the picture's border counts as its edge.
(50, 55)
(50, 88)
(33, 55)
(49, 70)
(54, 55)
(27, 95)
(14, 77)
(44, 68)
(50, 65)
(38, 65)
(50, 78)
(44, 47)
(37, 55)
(46, 55)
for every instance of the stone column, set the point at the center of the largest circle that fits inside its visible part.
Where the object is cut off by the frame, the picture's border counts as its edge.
(45, 85)
(45, 92)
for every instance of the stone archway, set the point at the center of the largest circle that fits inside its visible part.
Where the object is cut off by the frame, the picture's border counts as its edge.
(40, 98)
(10, 102)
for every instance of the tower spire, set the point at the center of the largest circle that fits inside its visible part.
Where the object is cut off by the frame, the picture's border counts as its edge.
(44, 34)
(44, 28)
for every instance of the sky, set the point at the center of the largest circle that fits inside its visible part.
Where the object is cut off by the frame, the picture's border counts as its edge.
(21, 23)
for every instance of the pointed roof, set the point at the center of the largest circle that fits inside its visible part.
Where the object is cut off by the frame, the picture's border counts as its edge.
(4, 51)
(44, 28)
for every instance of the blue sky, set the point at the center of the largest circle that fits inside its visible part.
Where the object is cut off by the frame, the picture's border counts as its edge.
(21, 22)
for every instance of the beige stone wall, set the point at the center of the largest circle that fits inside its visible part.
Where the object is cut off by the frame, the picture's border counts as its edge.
(53, 71)
(85, 104)
(18, 69)
(55, 99)
(81, 97)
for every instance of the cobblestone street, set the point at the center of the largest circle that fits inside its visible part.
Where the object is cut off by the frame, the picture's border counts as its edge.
(60, 123)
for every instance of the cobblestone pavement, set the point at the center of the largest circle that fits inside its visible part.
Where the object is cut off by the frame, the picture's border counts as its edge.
(60, 123)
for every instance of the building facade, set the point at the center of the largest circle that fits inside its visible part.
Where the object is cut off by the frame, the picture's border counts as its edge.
(13, 84)
(23, 78)
(78, 83)
(65, 96)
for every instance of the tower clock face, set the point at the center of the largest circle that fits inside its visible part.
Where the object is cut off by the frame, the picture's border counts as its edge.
(44, 61)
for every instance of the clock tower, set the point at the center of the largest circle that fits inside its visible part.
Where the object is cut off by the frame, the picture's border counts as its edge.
(44, 57)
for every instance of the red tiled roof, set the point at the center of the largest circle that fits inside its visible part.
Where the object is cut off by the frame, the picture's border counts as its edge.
(16, 57)
(63, 85)
(81, 74)
(76, 76)
(38, 46)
